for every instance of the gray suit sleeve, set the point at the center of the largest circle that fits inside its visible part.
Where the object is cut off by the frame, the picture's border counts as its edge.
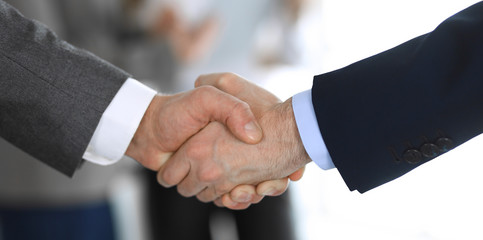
(52, 94)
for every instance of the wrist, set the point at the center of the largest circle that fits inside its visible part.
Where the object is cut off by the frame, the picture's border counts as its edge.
(143, 143)
(300, 156)
(282, 139)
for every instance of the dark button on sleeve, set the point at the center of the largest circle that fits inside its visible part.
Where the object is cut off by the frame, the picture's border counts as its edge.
(429, 150)
(444, 144)
(412, 156)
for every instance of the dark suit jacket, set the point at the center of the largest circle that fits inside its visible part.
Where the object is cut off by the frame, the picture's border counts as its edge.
(52, 94)
(386, 115)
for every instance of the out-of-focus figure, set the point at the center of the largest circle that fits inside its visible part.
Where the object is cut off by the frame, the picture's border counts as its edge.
(166, 44)
(228, 31)
(36, 202)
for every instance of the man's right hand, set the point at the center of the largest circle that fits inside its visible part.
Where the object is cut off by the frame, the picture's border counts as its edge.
(171, 120)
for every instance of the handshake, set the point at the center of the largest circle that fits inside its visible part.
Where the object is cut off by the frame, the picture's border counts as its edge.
(227, 141)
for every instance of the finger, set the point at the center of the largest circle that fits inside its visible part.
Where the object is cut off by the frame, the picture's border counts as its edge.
(207, 195)
(154, 161)
(190, 189)
(163, 158)
(239, 87)
(297, 175)
(226, 82)
(254, 200)
(173, 171)
(239, 206)
(272, 187)
(243, 193)
(257, 199)
(229, 110)
(191, 186)
(218, 202)
(229, 203)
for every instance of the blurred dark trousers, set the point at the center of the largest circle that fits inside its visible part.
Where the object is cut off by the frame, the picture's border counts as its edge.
(87, 222)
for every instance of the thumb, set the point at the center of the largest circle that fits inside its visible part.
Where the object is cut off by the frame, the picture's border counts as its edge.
(235, 114)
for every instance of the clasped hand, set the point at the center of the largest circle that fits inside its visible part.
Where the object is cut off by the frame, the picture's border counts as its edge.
(209, 142)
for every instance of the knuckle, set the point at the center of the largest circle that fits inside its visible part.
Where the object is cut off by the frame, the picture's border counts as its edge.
(226, 79)
(241, 107)
(196, 150)
(206, 90)
(203, 92)
(223, 188)
(231, 82)
(210, 174)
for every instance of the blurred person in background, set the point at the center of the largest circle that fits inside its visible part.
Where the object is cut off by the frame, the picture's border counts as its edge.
(37, 202)
(220, 35)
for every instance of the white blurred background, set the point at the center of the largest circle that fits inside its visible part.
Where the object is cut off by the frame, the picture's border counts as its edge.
(439, 200)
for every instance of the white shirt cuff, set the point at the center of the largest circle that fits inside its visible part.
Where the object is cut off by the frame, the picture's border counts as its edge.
(119, 123)
(309, 131)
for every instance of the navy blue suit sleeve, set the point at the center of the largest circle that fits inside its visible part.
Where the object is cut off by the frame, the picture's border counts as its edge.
(388, 114)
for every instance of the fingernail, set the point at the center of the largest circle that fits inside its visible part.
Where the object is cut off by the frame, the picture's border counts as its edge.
(269, 192)
(253, 131)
